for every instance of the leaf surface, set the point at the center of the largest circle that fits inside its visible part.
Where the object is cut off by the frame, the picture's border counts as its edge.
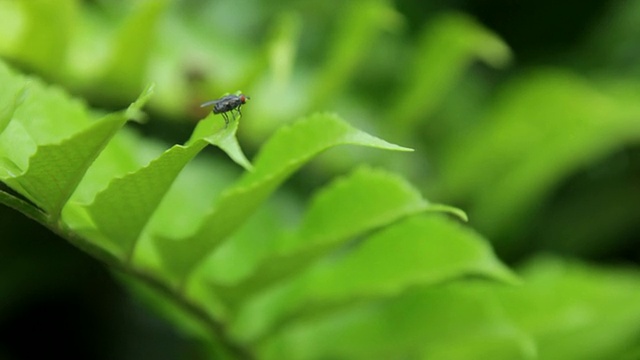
(565, 304)
(533, 147)
(449, 44)
(126, 70)
(456, 321)
(123, 209)
(6, 114)
(284, 153)
(55, 169)
(364, 201)
(421, 250)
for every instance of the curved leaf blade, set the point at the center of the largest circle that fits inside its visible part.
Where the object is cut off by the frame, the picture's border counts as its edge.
(131, 50)
(211, 130)
(360, 24)
(122, 210)
(449, 44)
(284, 153)
(44, 40)
(456, 321)
(531, 150)
(421, 250)
(54, 171)
(365, 200)
(565, 304)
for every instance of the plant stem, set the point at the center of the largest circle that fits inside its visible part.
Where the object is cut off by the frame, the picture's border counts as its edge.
(238, 351)
(31, 211)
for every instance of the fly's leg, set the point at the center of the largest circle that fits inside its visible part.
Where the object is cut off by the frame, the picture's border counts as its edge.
(226, 119)
(234, 113)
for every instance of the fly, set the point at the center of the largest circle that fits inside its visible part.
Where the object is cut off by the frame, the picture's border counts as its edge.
(227, 104)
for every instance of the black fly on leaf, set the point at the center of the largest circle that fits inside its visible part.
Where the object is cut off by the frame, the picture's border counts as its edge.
(226, 104)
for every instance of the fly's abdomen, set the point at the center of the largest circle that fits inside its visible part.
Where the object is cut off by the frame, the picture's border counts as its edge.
(220, 108)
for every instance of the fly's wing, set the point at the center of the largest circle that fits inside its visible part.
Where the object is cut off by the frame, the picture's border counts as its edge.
(212, 102)
(224, 99)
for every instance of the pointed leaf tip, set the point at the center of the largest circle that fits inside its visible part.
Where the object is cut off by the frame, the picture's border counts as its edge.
(211, 130)
(134, 111)
(459, 213)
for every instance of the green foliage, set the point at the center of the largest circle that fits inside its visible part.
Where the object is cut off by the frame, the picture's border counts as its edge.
(559, 306)
(9, 110)
(357, 26)
(55, 170)
(337, 214)
(448, 45)
(384, 264)
(42, 49)
(129, 60)
(566, 305)
(283, 154)
(596, 121)
(544, 160)
(453, 322)
(113, 222)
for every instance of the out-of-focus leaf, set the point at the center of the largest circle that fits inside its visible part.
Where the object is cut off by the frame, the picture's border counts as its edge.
(285, 152)
(44, 35)
(631, 354)
(283, 46)
(6, 114)
(575, 311)
(610, 47)
(364, 201)
(280, 98)
(450, 43)
(509, 162)
(358, 25)
(239, 255)
(127, 68)
(16, 147)
(455, 321)
(422, 250)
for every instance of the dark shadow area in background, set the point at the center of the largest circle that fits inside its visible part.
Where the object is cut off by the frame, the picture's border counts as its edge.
(56, 300)
(536, 31)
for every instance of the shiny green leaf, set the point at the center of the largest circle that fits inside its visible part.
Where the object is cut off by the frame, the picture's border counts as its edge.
(421, 250)
(285, 152)
(455, 321)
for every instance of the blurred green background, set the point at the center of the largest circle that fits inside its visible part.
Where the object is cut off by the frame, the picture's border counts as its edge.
(524, 114)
